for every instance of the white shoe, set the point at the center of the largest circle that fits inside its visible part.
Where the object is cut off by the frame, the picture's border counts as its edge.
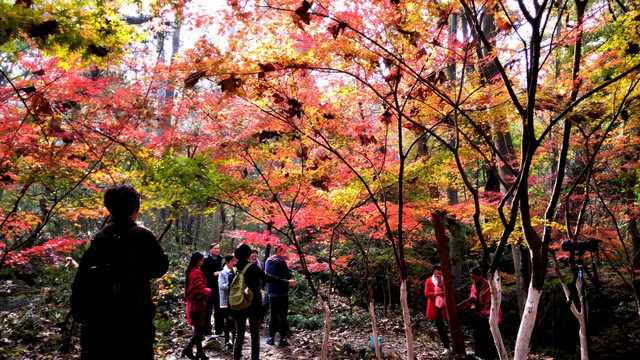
(446, 352)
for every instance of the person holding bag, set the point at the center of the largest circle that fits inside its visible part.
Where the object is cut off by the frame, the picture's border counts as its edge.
(196, 293)
(434, 292)
(252, 275)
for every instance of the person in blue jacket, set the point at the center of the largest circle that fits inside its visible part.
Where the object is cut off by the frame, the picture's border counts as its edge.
(278, 296)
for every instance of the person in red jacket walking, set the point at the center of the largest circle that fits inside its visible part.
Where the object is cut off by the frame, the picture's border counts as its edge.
(434, 292)
(196, 293)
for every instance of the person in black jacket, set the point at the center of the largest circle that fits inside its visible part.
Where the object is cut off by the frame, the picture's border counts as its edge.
(211, 267)
(123, 327)
(278, 296)
(252, 277)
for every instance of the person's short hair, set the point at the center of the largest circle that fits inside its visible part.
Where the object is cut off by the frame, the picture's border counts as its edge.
(476, 270)
(254, 251)
(122, 200)
(436, 266)
(228, 258)
(242, 252)
(279, 246)
(212, 245)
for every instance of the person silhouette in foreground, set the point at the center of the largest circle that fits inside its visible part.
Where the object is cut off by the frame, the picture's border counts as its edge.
(434, 292)
(122, 327)
(252, 277)
(196, 292)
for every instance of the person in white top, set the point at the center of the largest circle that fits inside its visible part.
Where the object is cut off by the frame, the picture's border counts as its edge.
(224, 281)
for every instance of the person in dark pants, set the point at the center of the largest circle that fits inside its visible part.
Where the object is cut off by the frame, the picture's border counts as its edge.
(252, 276)
(211, 268)
(196, 293)
(224, 281)
(480, 298)
(123, 329)
(278, 294)
(434, 292)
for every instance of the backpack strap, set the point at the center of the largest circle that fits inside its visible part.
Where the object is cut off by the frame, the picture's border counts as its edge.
(235, 269)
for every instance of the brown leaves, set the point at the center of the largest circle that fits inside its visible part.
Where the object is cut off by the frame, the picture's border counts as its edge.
(230, 84)
(293, 108)
(192, 79)
(322, 182)
(97, 50)
(394, 75)
(436, 78)
(336, 28)
(632, 48)
(265, 135)
(503, 23)
(301, 15)
(413, 36)
(366, 139)
(40, 105)
(43, 29)
(303, 153)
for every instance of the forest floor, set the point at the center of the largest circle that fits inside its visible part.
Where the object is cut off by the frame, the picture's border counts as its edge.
(34, 324)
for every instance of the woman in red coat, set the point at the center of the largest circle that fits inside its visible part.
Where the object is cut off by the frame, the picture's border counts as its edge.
(196, 293)
(434, 292)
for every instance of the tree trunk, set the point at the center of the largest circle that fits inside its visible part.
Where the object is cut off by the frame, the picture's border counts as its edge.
(527, 324)
(522, 265)
(457, 339)
(406, 315)
(496, 300)
(327, 327)
(374, 328)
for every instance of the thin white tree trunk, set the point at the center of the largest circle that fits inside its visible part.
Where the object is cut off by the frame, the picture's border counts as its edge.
(327, 328)
(526, 325)
(582, 320)
(584, 345)
(496, 299)
(406, 315)
(374, 328)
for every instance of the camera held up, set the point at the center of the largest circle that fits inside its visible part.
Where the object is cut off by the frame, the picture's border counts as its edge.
(589, 244)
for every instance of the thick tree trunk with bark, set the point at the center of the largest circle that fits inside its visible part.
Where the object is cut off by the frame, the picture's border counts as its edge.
(457, 339)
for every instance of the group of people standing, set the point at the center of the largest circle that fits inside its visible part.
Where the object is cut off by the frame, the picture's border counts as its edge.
(207, 284)
(132, 256)
(477, 307)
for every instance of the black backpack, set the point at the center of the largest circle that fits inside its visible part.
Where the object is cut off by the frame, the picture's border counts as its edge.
(97, 291)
